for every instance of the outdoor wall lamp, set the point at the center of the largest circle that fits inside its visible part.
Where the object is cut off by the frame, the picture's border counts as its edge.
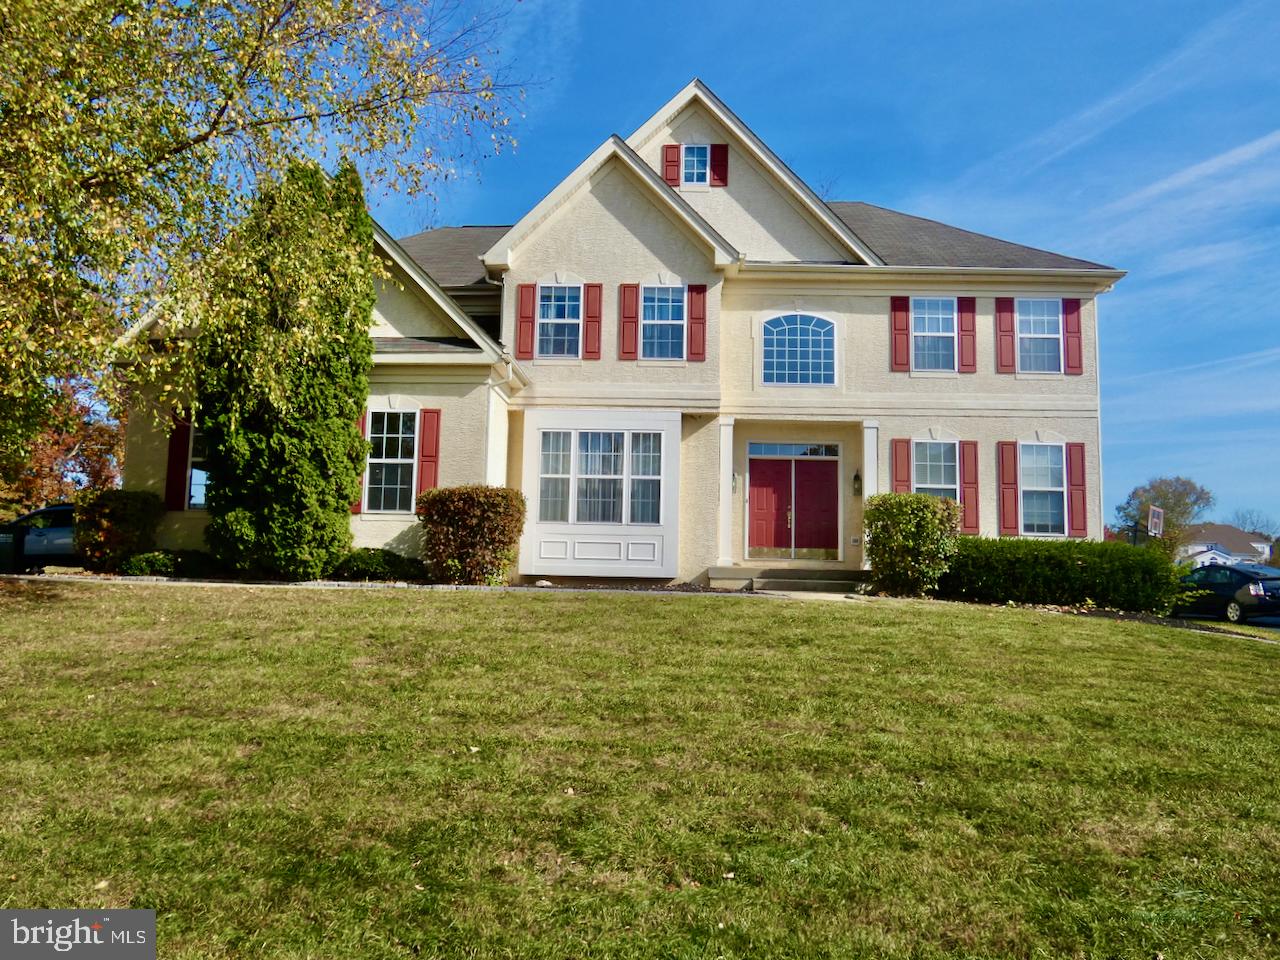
(857, 483)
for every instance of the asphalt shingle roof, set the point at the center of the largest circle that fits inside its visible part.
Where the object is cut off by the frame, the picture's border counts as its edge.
(1237, 541)
(903, 240)
(451, 255)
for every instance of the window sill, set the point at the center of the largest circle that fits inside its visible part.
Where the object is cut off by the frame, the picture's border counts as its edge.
(935, 374)
(385, 514)
(657, 362)
(558, 361)
(695, 187)
(1046, 375)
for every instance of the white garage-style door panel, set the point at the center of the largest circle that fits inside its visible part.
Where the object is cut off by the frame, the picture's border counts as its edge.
(603, 490)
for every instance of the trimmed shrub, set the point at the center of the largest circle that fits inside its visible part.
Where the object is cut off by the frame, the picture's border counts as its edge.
(470, 534)
(1062, 572)
(157, 563)
(189, 564)
(369, 564)
(113, 525)
(910, 538)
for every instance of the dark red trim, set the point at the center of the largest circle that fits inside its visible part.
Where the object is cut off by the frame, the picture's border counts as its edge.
(697, 321)
(1006, 337)
(718, 165)
(526, 304)
(966, 335)
(900, 333)
(1072, 340)
(428, 450)
(592, 295)
(900, 463)
(968, 486)
(178, 465)
(364, 464)
(1077, 499)
(1007, 470)
(628, 320)
(671, 164)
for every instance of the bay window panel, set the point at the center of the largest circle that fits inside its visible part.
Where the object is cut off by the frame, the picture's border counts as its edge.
(646, 473)
(553, 481)
(599, 500)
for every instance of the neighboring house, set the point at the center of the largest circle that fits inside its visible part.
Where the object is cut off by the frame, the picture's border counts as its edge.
(687, 360)
(1207, 543)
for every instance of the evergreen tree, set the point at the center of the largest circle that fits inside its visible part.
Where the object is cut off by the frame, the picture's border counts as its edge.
(285, 452)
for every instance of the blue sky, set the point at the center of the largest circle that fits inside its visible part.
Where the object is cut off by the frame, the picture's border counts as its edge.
(1144, 135)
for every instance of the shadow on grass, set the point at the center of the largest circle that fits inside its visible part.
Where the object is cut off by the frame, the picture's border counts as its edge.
(29, 593)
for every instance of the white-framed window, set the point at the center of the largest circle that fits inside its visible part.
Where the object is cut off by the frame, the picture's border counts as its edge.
(933, 333)
(1043, 485)
(559, 320)
(1039, 336)
(934, 468)
(197, 471)
(799, 350)
(388, 486)
(695, 164)
(662, 333)
(600, 476)
(555, 474)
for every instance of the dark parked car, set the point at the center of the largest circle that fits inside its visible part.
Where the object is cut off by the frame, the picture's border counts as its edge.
(1234, 593)
(44, 537)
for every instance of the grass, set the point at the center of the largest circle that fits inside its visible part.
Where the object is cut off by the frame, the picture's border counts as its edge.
(296, 773)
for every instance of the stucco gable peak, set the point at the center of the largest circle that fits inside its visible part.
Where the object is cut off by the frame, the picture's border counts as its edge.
(500, 255)
(697, 92)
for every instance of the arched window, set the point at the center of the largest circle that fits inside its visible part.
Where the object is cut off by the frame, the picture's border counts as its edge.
(799, 349)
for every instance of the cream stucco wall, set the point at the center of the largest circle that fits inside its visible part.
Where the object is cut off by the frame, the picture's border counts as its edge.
(401, 310)
(755, 213)
(699, 494)
(613, 230)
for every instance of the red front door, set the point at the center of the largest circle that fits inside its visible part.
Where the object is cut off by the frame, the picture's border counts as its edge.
(817, 506)
(770, 504)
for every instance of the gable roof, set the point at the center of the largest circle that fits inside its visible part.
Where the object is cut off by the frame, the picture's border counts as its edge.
(488, 347)
(1238, 542)
(499, 252)
(699, 92)
(903, 240)
(451, 255)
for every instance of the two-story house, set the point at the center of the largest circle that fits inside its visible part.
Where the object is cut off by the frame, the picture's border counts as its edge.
(687, 360)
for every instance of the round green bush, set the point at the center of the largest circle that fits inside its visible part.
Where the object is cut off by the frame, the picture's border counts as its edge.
(910, 538)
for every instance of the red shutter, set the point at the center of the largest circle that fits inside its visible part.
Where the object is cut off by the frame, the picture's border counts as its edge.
(526, 301)
(628, 320)
(900, 322)
(901, 464)
(364, 435)
(671, 164)
(1072, 342)
(428, 450)
(592, 294)
(697, 321)
(1008, 476)
(1077, 501)
(1006, 340)
(179, 462)
(967, 335)
(968, 486)
(719, 165)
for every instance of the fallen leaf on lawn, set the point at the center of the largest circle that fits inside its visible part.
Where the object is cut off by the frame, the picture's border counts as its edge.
(474, 749)
(418, 886)
(727, 876)
(102, 884)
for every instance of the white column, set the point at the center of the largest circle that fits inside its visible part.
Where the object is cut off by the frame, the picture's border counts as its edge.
(870, 469)
(870, 457)
(726, 493)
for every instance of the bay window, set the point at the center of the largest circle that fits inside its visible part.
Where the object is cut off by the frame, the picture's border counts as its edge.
(614, 476)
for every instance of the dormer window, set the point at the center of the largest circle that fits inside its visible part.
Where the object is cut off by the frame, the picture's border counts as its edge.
(696, 164)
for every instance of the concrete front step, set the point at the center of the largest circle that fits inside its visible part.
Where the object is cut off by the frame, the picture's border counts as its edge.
(806, 584)
(787, 578)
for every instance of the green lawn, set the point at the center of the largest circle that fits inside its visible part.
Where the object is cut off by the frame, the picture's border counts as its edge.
(298, 773)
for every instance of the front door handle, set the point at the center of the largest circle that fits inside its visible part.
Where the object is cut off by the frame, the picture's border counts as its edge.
(788, 518)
